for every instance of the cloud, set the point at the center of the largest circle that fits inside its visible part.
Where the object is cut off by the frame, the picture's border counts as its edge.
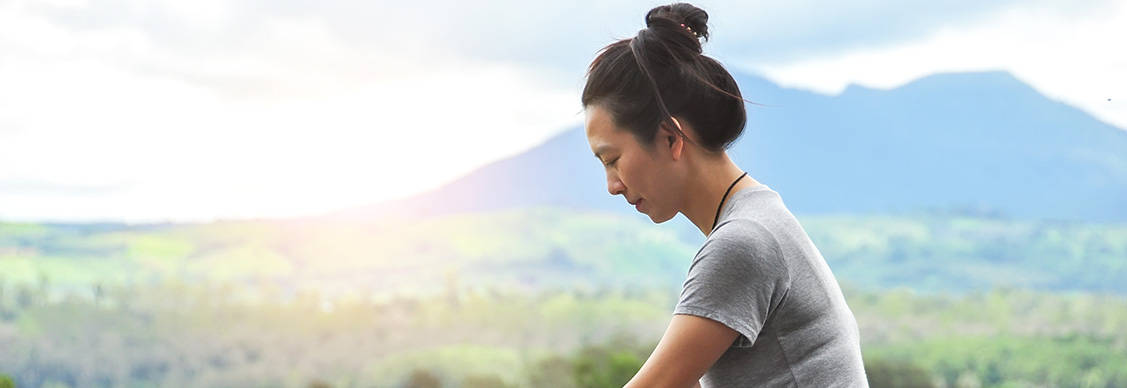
(265, 108)
(1074, 61)
(779, 32)
(220, 138)
(46, 188)
(269, 49)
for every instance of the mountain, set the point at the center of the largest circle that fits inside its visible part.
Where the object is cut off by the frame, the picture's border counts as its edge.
(981, 143)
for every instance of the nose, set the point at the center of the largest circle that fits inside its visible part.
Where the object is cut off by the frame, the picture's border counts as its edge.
(614, 185)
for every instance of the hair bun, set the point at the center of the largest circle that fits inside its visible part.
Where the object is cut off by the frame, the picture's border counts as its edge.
(694, 19)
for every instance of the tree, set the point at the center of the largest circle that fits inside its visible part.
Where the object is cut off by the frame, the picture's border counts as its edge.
(6, 382)
(597, 367)
(554, 371)
(484, 382)
(423, 379)
(896, 374)
(319, 384)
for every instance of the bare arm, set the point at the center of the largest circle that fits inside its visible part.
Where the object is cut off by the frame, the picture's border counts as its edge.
(689, 347)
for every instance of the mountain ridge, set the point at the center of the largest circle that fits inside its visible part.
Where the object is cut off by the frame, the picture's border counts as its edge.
(983, 141)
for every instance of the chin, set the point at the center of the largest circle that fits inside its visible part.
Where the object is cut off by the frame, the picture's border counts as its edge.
(660, 219)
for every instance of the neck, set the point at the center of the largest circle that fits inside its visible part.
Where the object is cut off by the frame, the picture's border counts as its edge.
(709, 182)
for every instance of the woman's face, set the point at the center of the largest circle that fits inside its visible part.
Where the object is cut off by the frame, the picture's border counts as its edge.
(641, 175)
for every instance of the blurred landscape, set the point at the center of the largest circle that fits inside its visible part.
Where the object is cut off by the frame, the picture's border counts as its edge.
(524, 298)
(974, 254)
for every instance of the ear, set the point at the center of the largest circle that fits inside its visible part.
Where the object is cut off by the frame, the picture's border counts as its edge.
(674, 138)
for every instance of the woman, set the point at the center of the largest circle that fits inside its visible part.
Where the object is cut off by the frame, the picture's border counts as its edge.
(760, 307)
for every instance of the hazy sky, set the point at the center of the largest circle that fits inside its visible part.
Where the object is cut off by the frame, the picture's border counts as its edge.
(141, 111)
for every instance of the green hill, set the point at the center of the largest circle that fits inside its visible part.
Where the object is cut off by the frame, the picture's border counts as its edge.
(527, 296)
(546, 247)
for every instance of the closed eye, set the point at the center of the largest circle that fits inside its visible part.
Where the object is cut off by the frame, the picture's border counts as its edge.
(612, 162)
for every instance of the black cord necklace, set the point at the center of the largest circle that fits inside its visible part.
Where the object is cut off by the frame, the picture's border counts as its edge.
(717, 218)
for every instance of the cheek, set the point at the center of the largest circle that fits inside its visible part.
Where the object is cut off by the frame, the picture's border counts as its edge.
(659, 184)
(629, 170)
(638, 173)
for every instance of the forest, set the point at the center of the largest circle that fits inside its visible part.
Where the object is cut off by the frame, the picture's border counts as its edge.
(194, 336)
(941, 302)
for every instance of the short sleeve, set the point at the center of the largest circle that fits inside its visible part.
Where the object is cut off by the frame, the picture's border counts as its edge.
(738, 278)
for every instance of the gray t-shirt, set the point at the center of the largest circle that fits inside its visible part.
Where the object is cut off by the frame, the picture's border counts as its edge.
(759, 274)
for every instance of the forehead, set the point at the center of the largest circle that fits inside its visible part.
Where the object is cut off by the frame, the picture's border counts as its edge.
(602, 133)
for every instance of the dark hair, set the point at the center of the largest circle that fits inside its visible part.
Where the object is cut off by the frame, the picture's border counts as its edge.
(645, 80)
